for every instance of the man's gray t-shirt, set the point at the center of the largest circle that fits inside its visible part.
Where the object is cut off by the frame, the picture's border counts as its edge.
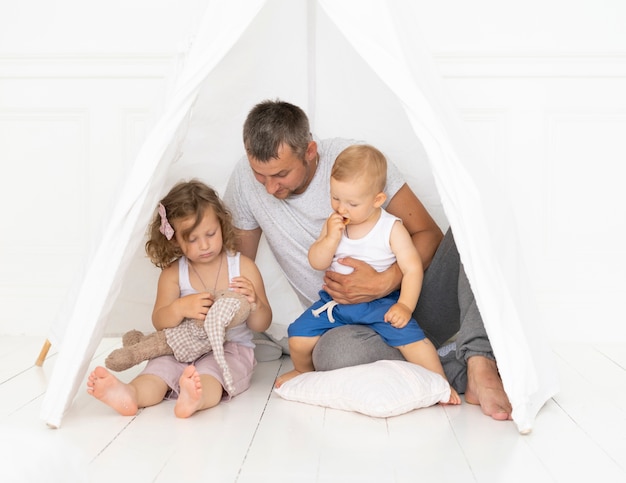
(292, 225)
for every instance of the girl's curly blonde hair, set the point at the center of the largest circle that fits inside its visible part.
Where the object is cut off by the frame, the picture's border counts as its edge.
(187, 199)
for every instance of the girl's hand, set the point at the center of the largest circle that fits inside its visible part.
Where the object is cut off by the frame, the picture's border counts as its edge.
(398, 315)
(195, 306)
(245, 287)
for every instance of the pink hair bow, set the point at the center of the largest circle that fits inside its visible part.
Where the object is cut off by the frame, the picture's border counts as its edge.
(165, 227)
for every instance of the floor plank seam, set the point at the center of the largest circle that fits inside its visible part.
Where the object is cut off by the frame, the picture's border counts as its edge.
(117, 435)
(459, 443)
(259, 422)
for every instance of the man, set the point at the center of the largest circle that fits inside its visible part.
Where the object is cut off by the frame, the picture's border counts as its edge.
(282, 189)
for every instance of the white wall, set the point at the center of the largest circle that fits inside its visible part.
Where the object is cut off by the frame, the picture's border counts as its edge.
(79, 82)
(539, 83)
(542, 87)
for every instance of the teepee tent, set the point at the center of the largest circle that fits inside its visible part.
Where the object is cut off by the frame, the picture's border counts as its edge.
(360, 70)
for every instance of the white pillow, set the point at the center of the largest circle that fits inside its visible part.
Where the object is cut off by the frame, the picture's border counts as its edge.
(380, 389)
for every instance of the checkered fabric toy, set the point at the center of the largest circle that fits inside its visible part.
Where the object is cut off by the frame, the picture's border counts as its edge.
(187, 341)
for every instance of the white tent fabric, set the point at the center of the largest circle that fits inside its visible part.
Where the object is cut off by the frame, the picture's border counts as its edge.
(360, 70)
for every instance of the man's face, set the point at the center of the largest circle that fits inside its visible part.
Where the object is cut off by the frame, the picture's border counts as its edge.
(287, 174)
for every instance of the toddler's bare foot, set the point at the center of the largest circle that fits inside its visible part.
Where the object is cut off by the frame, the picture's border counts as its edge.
(190, 397)
(104, 386)
(484, 387)
(455, 399)
(283, 378)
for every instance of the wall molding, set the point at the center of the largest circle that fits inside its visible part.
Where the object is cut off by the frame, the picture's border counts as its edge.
(141, 66)
(455, 64)
(452, 64)
(599, 185)
(496, 119)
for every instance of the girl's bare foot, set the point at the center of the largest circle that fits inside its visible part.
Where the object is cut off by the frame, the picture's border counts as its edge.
(104, 386)
(190, 397)
(283, 378)
(484, 387)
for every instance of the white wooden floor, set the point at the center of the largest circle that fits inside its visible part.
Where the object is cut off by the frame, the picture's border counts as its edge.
(580, 435)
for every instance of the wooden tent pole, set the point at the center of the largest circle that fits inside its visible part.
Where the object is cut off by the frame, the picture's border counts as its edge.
(43, 353)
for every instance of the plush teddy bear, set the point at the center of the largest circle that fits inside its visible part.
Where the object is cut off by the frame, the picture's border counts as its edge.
(187, 341)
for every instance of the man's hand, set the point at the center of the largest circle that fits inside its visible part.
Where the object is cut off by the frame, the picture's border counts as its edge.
(364, 284)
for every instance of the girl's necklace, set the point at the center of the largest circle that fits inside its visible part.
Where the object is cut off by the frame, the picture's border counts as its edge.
(217, 277)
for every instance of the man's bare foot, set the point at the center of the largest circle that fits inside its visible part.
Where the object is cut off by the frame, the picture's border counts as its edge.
(283, 378)
(484, 388)
(190, 397)
(104, 386)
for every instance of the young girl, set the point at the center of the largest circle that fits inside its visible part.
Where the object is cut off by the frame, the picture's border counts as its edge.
(192, 240)
(360, 228)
